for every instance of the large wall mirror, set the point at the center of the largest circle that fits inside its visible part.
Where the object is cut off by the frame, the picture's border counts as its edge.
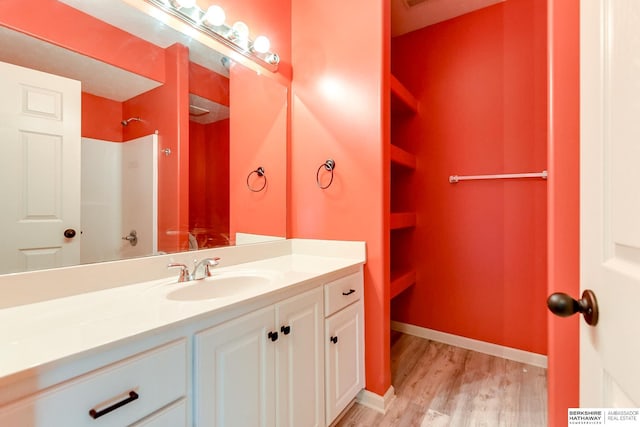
(125, 137)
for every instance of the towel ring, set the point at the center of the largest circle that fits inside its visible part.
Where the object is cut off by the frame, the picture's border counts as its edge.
(260, 173)
(329, 165)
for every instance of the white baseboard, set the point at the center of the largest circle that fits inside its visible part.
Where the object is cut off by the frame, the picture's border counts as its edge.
(522, 356)
(375, 401)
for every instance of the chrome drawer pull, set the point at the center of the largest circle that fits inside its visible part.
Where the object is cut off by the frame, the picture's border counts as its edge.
(97, 414)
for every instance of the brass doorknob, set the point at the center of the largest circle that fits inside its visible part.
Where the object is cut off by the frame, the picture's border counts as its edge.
(563, 305)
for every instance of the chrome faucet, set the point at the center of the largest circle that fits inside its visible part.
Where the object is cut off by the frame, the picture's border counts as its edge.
(185, 276)
(207, 264)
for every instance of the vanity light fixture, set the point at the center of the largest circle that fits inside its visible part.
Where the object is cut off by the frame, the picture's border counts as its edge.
(212, 23)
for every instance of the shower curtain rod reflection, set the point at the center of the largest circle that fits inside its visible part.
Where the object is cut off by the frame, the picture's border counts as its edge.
(455, 178)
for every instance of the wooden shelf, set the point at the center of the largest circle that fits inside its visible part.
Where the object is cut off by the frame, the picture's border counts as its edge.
(402, 220)
(401, 281)
(402, 157)
(401, 99)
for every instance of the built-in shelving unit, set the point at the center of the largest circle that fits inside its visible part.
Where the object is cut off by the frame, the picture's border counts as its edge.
(401, 280)
(402, 101)
(403, 219)
(400, 220)
(402, 157)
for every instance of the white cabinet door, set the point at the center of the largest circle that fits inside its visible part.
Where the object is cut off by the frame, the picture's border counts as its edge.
(243, 377)
(235, 373)
(300, 361)
(344, 343)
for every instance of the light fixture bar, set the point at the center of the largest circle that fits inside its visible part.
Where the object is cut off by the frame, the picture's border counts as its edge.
(194, 16)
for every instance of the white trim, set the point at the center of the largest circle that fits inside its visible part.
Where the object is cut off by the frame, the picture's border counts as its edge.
(515, 354)
(375, 401)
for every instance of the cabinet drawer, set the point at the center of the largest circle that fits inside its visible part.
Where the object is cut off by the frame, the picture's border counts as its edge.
(342, 292)
(172, 416)
(157, 377)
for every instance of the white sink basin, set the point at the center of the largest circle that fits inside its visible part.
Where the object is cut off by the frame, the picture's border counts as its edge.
(221, 286)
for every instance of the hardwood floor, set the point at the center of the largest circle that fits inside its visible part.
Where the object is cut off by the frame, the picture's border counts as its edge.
(438, 385)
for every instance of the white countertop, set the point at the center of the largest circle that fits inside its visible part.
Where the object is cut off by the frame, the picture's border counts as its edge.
(37, 334)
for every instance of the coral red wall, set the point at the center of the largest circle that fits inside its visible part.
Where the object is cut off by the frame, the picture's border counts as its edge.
(209, 178)
(207, 84)
(564, 204)
(101, 118)
(166, 109)
(258, 137)
(209, 163)
(338, 111)
(481, 246)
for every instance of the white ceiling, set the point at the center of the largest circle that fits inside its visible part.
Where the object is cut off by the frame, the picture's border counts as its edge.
(98, 78)
(405, 19)
(206, 111)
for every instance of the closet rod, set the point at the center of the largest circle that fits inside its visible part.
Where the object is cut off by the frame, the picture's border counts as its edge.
(455, 178)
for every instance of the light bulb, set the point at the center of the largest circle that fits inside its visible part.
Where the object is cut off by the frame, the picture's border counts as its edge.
(241, 31)
(187, 4)
(261, 44)
(215, 16)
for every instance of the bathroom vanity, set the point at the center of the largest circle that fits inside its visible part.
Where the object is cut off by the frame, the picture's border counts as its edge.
(273, 338)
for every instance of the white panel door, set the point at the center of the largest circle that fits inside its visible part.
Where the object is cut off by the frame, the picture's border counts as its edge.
(610, 200)
(234, 373)
(300, 361)
(39, 169)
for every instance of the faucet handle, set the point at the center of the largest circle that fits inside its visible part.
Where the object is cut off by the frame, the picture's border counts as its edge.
(210, 262)
(184, 271)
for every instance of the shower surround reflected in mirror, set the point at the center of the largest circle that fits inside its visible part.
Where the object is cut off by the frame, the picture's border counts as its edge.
(177, 95)
(118, 192)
